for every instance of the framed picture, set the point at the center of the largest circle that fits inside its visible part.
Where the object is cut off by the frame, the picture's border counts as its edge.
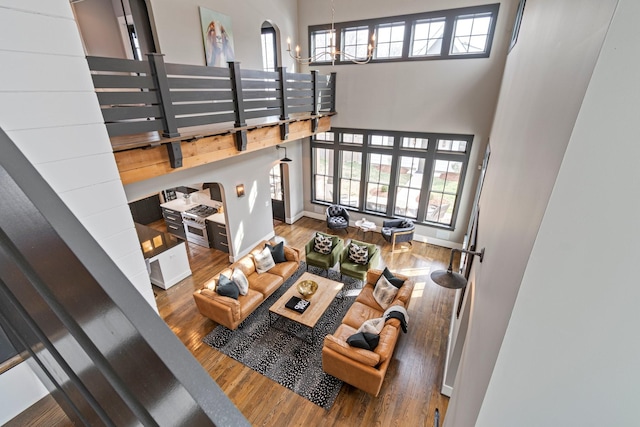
(217, 35)
(516, 24)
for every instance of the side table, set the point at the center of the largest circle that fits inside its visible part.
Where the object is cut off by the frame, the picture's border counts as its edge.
(365, 226)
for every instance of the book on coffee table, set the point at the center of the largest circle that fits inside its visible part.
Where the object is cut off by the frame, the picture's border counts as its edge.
(297, 304)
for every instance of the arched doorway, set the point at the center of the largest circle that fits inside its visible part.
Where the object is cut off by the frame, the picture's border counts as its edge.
(270, 42)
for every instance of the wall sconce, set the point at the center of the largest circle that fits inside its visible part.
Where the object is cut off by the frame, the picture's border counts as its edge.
(285, 158)
(449, 279)
(240, 190)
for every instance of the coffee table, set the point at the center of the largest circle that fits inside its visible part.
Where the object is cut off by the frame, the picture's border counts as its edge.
(320, 301)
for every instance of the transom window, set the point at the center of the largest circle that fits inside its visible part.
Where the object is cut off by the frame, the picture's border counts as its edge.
(471, 33)
(355, 43)
(392, 174)
(389, 40)
(452, 33)
(427, 37)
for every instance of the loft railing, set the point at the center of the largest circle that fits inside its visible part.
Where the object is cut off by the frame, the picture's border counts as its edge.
(154, 96)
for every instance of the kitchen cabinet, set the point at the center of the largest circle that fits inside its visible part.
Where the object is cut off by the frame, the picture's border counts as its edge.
(217, 236)
(173, 220)
(147, 210)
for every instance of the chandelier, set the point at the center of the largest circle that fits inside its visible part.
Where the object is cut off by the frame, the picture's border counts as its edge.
(320, 53)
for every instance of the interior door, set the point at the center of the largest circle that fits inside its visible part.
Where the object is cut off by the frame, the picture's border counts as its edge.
(277, 192)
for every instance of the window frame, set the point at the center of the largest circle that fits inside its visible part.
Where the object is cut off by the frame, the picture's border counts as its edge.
(430, 155)
(449, 15)
(272, 31)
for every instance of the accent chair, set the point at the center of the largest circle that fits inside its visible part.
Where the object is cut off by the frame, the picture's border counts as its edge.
(337, 218)
(350, 268)
(398, 231)
(314, 251)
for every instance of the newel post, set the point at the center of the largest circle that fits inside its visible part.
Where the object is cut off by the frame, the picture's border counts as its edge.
(169, 122)
(284, 107)
(238, 105)
(316, 101)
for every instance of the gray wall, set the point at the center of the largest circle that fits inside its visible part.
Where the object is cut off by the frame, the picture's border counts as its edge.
(545, 79)
(99, 27)
(454, 96)
(573, 331)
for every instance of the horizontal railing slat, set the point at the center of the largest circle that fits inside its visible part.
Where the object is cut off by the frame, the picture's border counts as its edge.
(196, 70)
(130, 128)
(306, 109)
(298, 76)
(300, 85)
(184, 122)
(208, 107)
(119, 98)
(266, 103)
(195, 83)
(259, 84)
(118, 81)
(299, 93)
(98, 63)
(257, 74)
(258, 95)
(128, 113)
(300, 101)
(201, 95)
(262, 113)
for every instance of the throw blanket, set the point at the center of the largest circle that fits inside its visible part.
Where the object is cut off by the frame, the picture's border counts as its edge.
(374, 326)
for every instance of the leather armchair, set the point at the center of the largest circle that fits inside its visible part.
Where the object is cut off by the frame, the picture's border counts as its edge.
(337, 218)
(355, 270)
(324, 261)
(398, 231)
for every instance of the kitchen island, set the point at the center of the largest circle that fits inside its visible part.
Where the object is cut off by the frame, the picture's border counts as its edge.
(165, 256)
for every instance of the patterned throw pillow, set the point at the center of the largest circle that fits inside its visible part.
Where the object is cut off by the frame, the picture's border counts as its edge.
(322, 244)
(240, 281)
(384, 292)
(358, 254)
(263, 260)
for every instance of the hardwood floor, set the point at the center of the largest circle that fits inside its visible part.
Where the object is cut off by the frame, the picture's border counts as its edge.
(411, 390)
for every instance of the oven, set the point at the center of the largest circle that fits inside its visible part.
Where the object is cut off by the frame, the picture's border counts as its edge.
(195, 226)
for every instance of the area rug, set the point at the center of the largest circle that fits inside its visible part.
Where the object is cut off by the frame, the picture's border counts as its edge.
(287, 360)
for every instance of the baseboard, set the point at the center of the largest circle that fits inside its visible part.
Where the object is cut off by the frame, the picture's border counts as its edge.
(446, 390)
(295, 218)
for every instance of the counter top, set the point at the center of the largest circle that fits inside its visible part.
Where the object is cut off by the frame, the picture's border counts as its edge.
(217, 217)
(178, 205)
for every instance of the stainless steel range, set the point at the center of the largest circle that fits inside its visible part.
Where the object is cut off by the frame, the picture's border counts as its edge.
(195, 226)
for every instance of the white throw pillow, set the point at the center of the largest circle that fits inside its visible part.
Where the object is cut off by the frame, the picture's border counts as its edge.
(384, 292)
(373, 326)
(240, 280)
(263, 260)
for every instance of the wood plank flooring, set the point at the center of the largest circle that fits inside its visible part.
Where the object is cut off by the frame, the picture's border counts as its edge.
(411, 390)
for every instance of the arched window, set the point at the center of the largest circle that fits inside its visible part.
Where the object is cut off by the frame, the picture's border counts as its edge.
(269, 47)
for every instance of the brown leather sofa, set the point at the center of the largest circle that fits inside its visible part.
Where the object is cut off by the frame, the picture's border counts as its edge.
(230, 312)
(362, 368)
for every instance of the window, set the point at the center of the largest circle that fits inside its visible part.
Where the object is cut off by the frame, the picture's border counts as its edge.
(392, 174)
(384, 141)
(389, 40)
(269, 49)
(355, 43)
(378, 182)
(323, 174)
(443, 192)
(350, 176)
(275, 182)
(427, 37)
(321, 45)
(453, 33)
(409, 186)
(471, 33)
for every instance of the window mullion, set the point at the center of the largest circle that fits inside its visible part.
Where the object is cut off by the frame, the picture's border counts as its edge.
(406, 43)
(448, 34)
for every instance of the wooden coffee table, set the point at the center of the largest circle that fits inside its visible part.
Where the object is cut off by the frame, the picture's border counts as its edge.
(320, 301)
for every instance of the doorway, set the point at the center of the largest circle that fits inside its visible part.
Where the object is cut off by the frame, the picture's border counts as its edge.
(277, 192)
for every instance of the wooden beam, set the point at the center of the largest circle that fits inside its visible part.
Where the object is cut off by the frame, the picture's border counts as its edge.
(149, 162)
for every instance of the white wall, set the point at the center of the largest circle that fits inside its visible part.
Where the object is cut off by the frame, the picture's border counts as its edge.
(180, 33)
(19, 389)
(545, 79)
(49, 109)
(450, 96)
(570, 354)
(98, 24)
